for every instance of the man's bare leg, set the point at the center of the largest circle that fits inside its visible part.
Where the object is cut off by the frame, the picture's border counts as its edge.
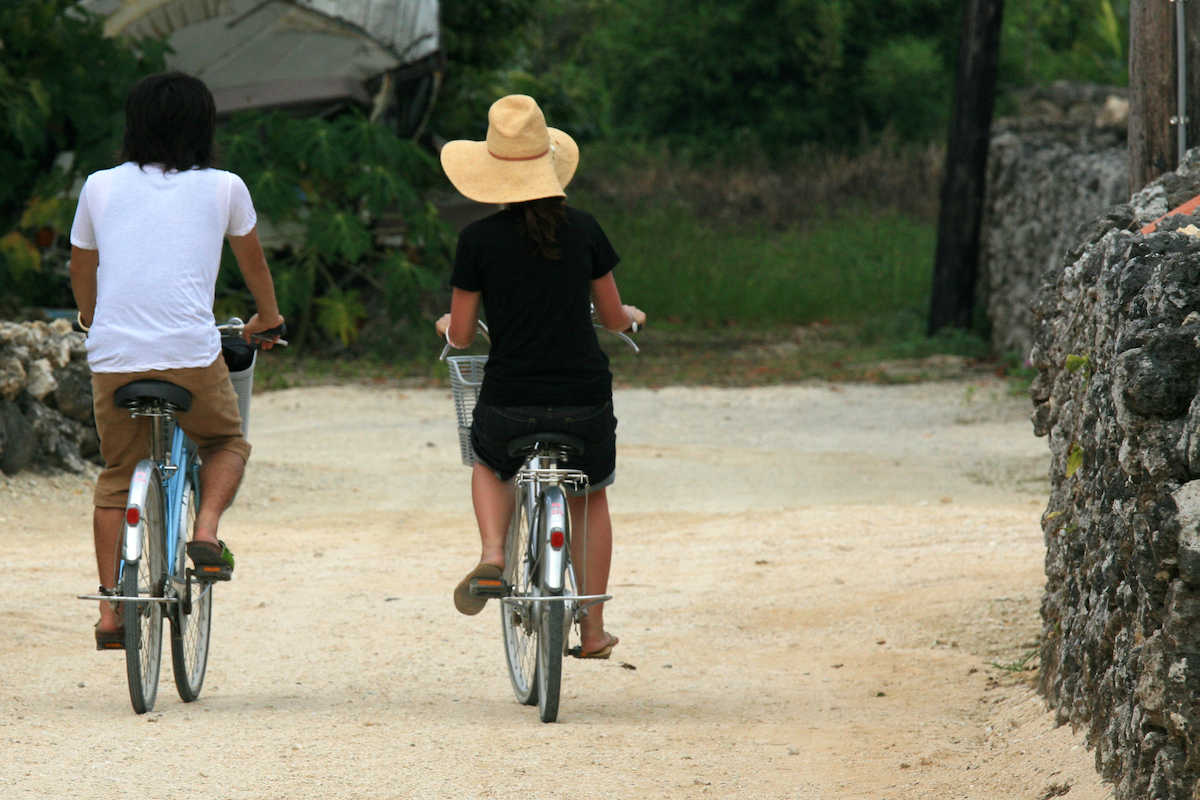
(106, 526)
(220, 476)
(598, 560)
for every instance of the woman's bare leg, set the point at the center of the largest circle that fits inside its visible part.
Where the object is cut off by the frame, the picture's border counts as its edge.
(494, 501)
(598, 562)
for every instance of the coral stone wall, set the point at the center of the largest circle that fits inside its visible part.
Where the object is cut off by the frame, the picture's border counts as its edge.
(1060, 162)
(45, 398)
(1117, 348)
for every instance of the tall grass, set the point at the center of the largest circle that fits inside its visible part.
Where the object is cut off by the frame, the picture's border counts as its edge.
(823, 235)
(844, 268)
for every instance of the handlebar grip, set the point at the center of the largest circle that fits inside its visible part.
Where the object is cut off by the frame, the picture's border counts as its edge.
(278, 330)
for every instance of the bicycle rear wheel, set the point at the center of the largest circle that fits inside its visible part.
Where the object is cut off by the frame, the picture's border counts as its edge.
(518, 618)
(145, 578)
(192, 619)
(551, 617)
(549, 657)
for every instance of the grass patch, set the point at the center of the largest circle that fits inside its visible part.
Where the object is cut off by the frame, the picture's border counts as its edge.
(846, 269)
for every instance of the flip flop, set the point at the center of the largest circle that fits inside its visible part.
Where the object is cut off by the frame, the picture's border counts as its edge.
(603, 652)
(470, 596)
(212, 562)
(110, 640)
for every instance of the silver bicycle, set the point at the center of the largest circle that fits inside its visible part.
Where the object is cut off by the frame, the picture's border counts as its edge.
(538, 595)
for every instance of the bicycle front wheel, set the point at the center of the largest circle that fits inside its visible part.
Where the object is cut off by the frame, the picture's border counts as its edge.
(142, 579)
(192, 620)
(518, 616)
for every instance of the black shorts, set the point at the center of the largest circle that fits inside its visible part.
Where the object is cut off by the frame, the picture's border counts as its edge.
(493, 427)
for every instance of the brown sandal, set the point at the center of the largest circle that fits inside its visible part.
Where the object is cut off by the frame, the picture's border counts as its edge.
(110, 640)
(472, 593)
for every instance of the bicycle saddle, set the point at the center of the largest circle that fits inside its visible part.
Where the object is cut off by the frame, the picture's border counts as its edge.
(524, 443)
(132, 395)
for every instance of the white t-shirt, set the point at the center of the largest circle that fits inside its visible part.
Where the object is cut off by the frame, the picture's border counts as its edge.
(160, 236)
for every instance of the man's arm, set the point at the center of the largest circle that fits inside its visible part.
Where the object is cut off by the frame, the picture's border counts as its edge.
(252, 262)
(84, 264)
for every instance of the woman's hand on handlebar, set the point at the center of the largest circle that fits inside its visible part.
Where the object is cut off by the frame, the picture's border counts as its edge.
(442, 325)
(637, 317)
(264, 333)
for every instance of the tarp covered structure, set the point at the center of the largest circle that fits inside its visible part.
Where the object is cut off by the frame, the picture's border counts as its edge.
(310, 56)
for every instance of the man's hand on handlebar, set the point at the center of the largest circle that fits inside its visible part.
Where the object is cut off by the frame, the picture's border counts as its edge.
(264, 333)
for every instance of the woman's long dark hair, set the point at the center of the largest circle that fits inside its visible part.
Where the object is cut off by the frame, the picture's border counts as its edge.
(539, 224)
(170, 120)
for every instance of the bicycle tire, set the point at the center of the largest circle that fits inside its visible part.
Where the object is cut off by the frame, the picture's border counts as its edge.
(518, 620)
(551, 618)
(191, 620)
(145, 577)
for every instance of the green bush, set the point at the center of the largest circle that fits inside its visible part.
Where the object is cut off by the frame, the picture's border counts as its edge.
(905, 86)
(62, 95)
(351, 242)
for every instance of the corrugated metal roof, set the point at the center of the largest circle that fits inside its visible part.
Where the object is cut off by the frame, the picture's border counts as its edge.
(278, 53)
(407, 27)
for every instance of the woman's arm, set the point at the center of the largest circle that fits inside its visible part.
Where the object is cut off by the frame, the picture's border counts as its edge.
(613, 315)
(459, 325)
(253, 264)
(84, 264)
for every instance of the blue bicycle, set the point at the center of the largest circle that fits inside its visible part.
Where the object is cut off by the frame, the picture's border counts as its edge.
(153, 578)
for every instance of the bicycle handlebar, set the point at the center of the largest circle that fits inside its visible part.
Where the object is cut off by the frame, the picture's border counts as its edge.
(235, 327)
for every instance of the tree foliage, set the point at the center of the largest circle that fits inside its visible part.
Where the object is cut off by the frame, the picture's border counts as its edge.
(748, 76)
(350, 237)
(62, 91)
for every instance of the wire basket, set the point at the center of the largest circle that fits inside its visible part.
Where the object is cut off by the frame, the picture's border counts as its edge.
(466, 376)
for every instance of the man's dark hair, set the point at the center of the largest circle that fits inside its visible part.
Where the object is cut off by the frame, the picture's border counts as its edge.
(170, 120)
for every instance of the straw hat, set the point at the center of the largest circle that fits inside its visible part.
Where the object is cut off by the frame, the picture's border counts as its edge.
(522, 159)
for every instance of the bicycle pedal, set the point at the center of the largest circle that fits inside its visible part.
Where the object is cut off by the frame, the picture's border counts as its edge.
(209, 572)
(489, 587)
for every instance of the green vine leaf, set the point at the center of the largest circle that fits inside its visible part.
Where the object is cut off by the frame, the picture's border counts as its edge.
(1074, 459)
(1077, 363)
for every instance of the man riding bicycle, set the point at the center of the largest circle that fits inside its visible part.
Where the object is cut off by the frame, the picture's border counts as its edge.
(145, 252)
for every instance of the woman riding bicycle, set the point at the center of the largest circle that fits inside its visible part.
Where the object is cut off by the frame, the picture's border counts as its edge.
(537, 266)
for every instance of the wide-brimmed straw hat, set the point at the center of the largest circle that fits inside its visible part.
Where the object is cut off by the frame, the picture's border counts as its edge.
(522, 159)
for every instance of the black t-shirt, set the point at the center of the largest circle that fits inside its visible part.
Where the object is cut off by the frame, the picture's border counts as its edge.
(544, 349)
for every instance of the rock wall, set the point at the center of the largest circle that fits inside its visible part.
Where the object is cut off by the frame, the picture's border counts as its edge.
(1117, 349)
(1060, 161)
(45, 399)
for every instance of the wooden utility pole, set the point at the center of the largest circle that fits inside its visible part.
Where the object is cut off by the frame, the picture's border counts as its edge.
(1191, 14)
(1152, 142)
(956, 265)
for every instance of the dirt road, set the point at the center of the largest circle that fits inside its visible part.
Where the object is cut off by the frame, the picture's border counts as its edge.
(810, 583)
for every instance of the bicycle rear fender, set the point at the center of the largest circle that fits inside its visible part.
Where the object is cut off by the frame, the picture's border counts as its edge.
(144, 476)
(554, 530)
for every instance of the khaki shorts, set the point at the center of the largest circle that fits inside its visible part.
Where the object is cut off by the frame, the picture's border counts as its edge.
(213, 423)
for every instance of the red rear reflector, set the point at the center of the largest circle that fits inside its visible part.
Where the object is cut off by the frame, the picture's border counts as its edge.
(556, 539)
(132, 515)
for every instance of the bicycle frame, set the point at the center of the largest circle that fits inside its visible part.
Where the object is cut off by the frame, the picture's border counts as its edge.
(541, 481)
(169, 473)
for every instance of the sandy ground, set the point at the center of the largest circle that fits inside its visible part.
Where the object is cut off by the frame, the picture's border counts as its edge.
(813, 585)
